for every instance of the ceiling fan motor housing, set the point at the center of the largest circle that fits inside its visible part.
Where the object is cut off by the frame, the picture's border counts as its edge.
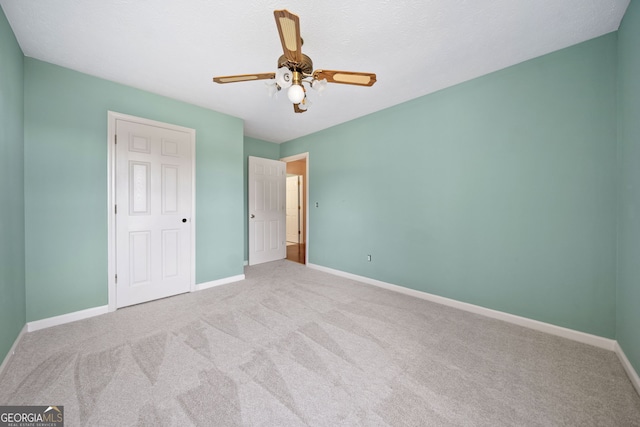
(305, 66)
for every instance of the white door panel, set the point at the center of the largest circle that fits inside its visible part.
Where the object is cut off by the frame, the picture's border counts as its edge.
(267, 184)
(154, 203)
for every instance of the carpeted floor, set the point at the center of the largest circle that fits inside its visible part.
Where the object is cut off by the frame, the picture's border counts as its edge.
(294, 346)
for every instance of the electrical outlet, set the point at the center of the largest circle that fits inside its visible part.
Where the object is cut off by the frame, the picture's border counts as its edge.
(369, 258)
(317, 204)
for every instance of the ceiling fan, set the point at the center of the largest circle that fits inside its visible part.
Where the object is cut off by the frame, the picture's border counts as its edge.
(295, 68)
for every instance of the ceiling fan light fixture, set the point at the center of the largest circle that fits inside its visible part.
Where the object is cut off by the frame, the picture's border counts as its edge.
(319, 85)
(296, 93)
(272, 87)
(284, 77)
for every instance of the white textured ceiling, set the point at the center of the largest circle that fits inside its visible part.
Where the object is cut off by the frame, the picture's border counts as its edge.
(175, 47)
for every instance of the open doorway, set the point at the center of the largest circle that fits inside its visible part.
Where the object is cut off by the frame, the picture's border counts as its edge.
(296, 208)
(295, 236)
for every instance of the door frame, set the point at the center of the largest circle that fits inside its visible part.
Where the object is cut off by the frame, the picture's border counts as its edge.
(112, 116)
(303, 156)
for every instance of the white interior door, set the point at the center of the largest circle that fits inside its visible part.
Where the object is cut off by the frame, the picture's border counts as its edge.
(293, 209)
(267, 198)
(153, 212)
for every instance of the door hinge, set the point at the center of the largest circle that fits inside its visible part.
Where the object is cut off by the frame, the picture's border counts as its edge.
(116, 278)
(115, 209)
(115, 138)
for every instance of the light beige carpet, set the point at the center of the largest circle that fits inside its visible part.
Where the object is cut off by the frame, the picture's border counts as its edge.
(293, 346)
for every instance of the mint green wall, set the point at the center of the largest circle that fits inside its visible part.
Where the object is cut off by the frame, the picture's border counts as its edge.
(12, 282)
(257, 148)
(66, 185)
(628, 295)
(500, 191)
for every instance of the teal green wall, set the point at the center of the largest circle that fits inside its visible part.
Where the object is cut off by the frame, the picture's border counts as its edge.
(500, 191)
(12, 282)
(628, 295)
(257, 148)
(66, 185)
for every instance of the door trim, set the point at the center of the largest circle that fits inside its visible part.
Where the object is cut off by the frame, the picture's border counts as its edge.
(303, 156)
(112, 116)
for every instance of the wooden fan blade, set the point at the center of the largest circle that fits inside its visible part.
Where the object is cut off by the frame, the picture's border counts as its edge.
(244, 78)
(289, 30)
(297, 109)
(345, 77)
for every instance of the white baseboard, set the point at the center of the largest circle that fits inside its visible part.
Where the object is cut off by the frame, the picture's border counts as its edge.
(213, 283)
(633, 375)
(560, 331)
(66, 318)
(96, 311)
(12, 350)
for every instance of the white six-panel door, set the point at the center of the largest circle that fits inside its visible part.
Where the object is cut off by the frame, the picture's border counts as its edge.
(267, 220)
(153, 196)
